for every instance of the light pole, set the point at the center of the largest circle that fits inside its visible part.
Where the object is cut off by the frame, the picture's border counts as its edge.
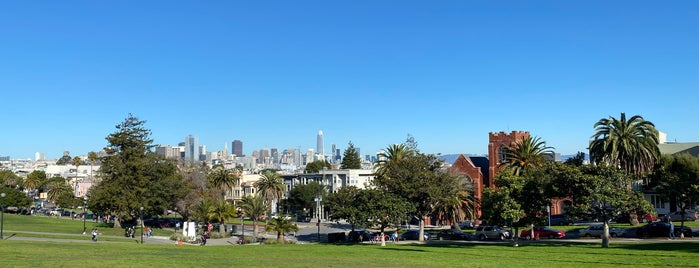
(2, 216)
(140, 216)
(84, 213)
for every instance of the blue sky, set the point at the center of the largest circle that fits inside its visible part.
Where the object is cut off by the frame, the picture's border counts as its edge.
(273, 73)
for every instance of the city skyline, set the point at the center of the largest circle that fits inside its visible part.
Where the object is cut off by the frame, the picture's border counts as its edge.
(273, 74)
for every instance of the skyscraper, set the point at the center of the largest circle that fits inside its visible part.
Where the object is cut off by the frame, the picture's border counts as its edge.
(191, 149)
(319, 144)
(237, 148)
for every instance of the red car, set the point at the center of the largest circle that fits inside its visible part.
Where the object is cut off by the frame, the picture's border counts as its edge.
(542, 232)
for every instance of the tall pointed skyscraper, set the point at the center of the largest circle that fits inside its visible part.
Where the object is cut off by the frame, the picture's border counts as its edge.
(319, 144)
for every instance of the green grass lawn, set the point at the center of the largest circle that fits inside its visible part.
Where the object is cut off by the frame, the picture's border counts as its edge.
(60, 254)
(63, 225)
(19, 253)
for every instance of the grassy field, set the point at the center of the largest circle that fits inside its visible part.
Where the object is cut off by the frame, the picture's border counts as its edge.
(17, 253)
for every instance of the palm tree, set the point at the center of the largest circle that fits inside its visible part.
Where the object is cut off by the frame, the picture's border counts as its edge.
(221, 212)
(55, 189)
(271, 187)
(223, 178)
(92, 157)
(393, 154)
(255, 208)
(629, 145)
(281, 226)
(201, 210)
(77, 162)
(527, 152)
(34, 180)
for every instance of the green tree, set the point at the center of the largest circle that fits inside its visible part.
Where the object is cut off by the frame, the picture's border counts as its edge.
(9, 178)
(223, 179)
(271, 187)
(133, 176)
(220, 212)
(93, 158)
(351, 158)
(14, 198)
(59, 193)
(577, 160)
(414, 177)
(302, 197)
(384, 209)
(317, 166)
(528, 152)
(677, 180)
(392, 155)
(281, 226)
(455, 201)
(201, 211)
(35, 180)
(254, 207)
(344, 205)
(631, 145)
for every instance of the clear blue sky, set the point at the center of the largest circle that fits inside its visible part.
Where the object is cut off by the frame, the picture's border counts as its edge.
(273, 73)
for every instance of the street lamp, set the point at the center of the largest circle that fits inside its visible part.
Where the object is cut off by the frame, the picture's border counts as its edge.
(140, 216)
(84, 213)
(2, 216)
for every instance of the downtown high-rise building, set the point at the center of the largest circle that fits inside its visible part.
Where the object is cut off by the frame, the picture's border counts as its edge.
(319, 145)
(237, 148)
(191, 149)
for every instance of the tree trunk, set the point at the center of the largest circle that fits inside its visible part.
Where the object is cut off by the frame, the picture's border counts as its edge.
(383, 241)
(222, 228)
(421, 234)
(117, 224)
(254, 228)
(605, 235)
(280, 238)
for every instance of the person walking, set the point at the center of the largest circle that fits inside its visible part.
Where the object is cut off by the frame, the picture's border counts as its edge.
(671, 235)
(94, 234)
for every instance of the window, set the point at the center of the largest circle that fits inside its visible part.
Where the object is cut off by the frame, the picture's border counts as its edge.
(502, 154)
(657, 201)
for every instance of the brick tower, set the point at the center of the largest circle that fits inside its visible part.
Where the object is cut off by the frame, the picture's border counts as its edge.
(497, 151)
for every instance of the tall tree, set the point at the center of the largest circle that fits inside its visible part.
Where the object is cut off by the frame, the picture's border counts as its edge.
(255, 208)
(528, 152)
(392, 155)
(133, 176)
(92, 157)
(35, 180)
(413, 176)
(351, 158)
(271, 187)
(56, 190)
(223, 179)
(631, 145)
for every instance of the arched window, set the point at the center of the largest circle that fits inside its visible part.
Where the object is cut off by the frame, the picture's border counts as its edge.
(502, 154)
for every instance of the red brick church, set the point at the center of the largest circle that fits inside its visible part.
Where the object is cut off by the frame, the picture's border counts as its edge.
(482, 170)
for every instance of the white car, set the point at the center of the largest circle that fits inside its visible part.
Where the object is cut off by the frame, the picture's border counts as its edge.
(596, 230)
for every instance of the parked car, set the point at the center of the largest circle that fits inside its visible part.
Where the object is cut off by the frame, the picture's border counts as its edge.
(359, 236)
(453, 235)
(560, 219)
(661, 229)
(597, 230)
(540, 231)
(492, 232)
(413, 235)
(677, 216)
